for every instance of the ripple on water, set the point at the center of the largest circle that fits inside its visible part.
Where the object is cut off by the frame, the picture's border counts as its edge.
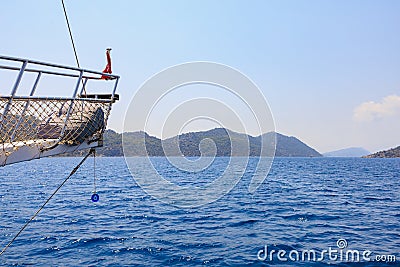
(303, 204)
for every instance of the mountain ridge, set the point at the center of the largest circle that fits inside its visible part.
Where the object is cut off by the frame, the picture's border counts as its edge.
(225, 142)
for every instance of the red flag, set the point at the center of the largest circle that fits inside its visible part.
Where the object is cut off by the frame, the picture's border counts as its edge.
(107, 69)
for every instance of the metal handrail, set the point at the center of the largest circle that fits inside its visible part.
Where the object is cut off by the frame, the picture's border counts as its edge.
(57, 98)
(58, 73)
(82, 77)
(56, 66)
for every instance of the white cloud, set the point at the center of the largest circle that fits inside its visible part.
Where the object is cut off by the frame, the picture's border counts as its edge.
(369, 111)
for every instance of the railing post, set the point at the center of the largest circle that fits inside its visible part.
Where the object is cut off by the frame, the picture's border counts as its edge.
(115, 89)
(112, 99)
(71, 106)
(35, 84)
(26, 105)
(16, 84)
(14, 90)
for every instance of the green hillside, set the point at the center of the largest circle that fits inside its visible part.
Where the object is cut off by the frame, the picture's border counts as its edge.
(218, 142)
(391, 153)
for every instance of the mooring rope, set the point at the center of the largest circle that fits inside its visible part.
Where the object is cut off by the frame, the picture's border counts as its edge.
(92, 150)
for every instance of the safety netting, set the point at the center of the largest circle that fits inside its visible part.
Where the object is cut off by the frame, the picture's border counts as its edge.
(46, 122)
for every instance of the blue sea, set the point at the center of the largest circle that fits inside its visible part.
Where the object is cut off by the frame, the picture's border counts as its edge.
(304, 204)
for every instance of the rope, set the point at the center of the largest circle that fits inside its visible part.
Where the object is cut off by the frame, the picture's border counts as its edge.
(55, 192)
(72, 41)
(94, 171)
(70, 34)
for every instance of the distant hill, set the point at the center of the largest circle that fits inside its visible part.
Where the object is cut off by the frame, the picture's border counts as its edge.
(391, 153)
(188, 144)
(289, 146)
(348, 152)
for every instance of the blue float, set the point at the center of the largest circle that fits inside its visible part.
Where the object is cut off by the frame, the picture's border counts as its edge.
(95, 197)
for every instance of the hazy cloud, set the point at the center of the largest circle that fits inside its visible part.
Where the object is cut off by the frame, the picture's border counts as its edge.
(368, 111)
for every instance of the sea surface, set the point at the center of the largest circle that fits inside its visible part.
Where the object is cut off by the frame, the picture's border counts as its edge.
(304, 204)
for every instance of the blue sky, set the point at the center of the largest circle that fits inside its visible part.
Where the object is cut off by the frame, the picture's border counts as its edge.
(330, 70)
